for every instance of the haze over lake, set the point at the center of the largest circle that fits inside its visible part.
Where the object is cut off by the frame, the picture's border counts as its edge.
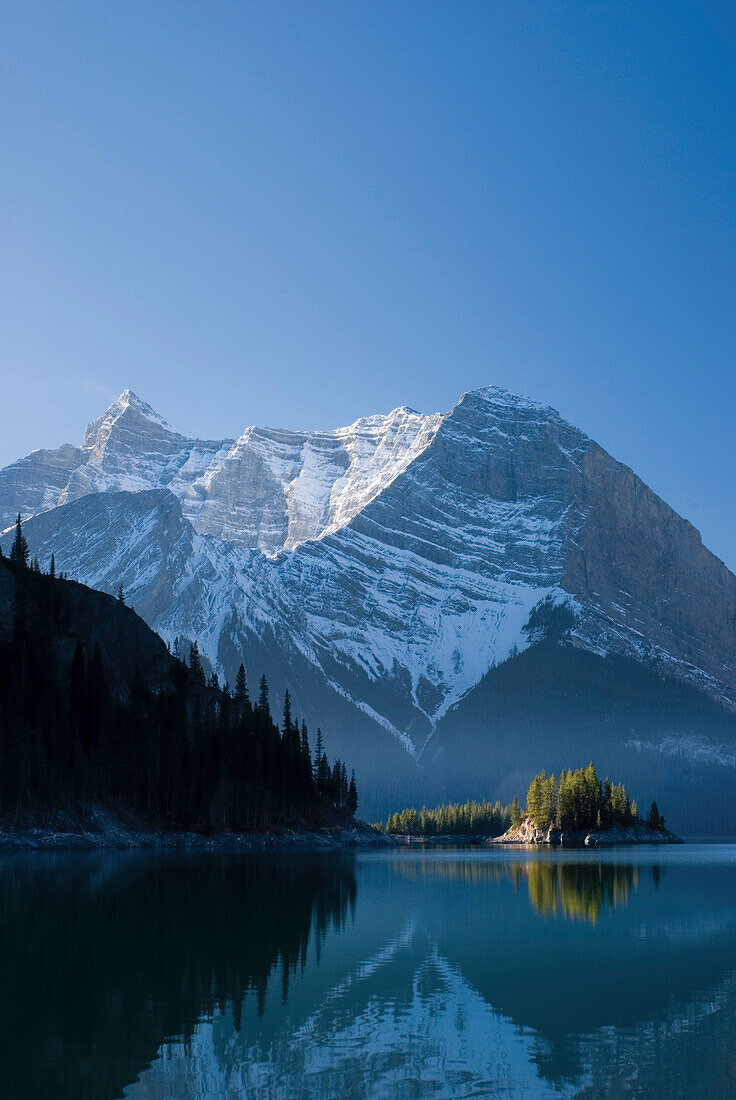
(400, 974)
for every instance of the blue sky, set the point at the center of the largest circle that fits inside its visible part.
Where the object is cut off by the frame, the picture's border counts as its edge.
(300, 213)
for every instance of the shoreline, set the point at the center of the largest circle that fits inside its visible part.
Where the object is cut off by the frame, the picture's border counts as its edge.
(102, 830)
(442, 840)
(530, 837)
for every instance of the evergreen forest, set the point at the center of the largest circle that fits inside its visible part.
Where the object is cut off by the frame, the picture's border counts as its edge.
(453, 819)
(577, 800)
(173, 748)
(580, 800)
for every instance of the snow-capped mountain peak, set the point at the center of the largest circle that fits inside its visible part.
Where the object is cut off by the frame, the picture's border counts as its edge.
(391, 562)
(498, 397)
(98, 432)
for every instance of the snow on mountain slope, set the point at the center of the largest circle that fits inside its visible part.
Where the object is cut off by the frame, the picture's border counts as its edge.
(396, 559)
(35, 483)
(132, 448)
(275, 489)
(129, 448)
(270, 489)
(426, 1024)
(432, 582)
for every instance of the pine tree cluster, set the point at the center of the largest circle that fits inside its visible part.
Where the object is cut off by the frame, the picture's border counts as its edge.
(580, 800)
(453, 819)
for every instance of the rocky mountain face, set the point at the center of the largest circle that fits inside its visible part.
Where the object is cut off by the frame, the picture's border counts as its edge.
(381, 570)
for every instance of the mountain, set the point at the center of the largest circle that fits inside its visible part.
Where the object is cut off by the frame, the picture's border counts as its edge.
(383, 570)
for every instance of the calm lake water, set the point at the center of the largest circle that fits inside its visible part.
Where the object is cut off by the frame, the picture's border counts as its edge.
(415, 974)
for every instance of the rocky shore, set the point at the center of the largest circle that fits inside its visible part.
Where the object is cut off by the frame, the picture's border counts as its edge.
(637, 832)
(98, 828)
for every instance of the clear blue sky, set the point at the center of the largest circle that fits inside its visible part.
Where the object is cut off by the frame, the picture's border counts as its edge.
(301, 213)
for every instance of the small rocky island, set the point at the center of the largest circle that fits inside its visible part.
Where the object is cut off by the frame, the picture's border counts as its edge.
(578, 810)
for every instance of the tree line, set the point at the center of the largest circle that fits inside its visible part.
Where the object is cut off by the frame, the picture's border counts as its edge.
(577, 800)
(452, 819)
(186, 753)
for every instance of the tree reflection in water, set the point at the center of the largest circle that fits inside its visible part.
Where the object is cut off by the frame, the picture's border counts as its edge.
(447, 973)
(102, 956)
(577, 891)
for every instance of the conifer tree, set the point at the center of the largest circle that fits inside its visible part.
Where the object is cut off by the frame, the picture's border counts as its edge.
(654, 819)
(318, 750)
(77, 678)
(241, 687)
(352, 805)
(19, 549)
(323, 770)
(95, 701)
(195, 663)
(534, 798)
(263, 707)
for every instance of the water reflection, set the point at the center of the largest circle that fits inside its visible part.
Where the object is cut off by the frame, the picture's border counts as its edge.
(102, 958)
(422, 974)
(577, 891)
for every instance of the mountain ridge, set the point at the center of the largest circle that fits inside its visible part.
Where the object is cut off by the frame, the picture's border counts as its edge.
(395, 560)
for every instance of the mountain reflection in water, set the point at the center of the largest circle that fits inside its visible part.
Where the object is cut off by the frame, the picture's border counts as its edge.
(389, 975)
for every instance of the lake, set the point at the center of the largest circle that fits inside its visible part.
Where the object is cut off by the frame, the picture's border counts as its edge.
(435, 973)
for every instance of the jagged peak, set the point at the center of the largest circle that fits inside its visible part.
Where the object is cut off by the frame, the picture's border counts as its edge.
(502, 398)
(371, 422)
(128, 399)
(380, 420)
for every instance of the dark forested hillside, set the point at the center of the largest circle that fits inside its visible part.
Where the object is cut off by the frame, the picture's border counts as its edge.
(93, 708)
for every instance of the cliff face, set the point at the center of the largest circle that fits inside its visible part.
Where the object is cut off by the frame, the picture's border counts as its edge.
(638, 567)
(36, 482)
(380, 570)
